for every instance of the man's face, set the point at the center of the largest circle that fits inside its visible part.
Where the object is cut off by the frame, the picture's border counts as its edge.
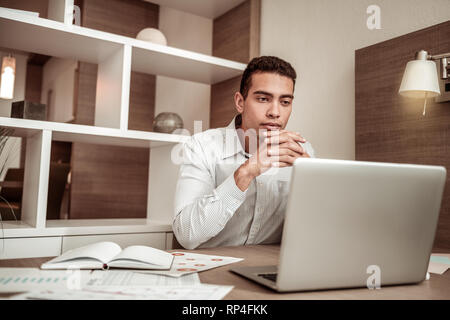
(268, 104)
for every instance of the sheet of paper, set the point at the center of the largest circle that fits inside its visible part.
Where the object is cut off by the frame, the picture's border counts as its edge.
(198, 292)
(440, 258)
(131, 278)
(439, 263)
(69, 295)
(25, 279)
(186, 263)
(437, 268)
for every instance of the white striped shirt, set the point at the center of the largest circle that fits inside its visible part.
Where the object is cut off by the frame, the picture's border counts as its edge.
(211, 211)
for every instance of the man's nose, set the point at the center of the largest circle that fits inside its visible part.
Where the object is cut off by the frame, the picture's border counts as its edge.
(274, 110)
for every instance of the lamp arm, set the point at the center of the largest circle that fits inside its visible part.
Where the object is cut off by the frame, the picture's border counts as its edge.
(439, 56)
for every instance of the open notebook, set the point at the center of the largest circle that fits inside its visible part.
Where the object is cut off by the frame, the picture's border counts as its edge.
(104, 255)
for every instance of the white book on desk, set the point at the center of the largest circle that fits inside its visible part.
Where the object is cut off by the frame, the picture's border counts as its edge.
(105, 255)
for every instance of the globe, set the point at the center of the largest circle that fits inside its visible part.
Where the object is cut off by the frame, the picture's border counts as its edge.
(167, 122)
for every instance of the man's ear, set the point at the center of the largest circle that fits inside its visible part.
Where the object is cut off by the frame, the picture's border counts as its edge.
(239, 102)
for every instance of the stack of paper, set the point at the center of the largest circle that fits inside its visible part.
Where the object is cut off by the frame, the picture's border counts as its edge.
(439, 263)
(180, 282)
(128, 285)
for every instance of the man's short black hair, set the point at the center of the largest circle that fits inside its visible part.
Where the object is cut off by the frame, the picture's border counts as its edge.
(265, 64)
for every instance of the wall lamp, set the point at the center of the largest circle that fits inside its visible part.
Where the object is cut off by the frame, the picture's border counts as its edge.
(420, 79)
(8, 73)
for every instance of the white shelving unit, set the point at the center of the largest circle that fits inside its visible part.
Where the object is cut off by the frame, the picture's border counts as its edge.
(116, 57)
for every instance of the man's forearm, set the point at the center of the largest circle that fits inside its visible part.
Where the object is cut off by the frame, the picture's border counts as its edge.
(207, 215)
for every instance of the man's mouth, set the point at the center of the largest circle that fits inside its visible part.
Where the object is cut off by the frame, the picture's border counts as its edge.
(271, 126)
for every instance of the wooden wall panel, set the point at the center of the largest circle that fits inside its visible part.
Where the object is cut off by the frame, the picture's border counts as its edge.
(142, 101)
(85, 95)
(108, 181)
(255, 28)
(391, 128)
(235, 37)
(33, 83)
(222, 102)
(231, 34)
(40, 6)
(123, 17)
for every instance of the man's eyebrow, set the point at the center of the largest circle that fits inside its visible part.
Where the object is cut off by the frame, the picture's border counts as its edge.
(263, 92)
(271, 95)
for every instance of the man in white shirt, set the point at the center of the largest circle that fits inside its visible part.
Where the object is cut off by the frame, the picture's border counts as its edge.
(233, 181)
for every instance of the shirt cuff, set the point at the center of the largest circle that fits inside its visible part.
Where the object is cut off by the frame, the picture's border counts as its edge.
(230, 194)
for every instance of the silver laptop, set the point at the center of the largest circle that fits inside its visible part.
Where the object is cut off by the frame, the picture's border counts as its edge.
(348, 221)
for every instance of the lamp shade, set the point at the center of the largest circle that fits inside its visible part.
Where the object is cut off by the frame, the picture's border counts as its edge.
(8, 73)
(420, 80)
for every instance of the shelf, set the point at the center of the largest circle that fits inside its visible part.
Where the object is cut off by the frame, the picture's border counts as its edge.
(54, 228)
(91, 134)
(48, 37)
(104, 226)
(182, 64)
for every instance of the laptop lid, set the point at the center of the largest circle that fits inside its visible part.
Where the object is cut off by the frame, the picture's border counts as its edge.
(347, 220)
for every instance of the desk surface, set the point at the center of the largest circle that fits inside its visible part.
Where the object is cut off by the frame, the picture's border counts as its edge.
(438, 287)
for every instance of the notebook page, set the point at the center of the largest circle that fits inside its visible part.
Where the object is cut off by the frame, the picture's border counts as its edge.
(145, 254)
(102, 251)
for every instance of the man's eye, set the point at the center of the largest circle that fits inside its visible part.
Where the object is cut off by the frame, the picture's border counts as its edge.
(286, 102)
(262, 99)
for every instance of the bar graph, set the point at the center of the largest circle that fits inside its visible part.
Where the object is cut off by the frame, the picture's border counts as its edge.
(25, 279)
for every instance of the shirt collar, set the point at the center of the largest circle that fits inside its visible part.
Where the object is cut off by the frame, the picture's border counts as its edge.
(231, 143)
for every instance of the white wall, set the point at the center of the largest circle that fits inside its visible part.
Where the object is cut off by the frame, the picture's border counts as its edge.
(59, 77)
(319, 39)
(13, 144)
(60, 10)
